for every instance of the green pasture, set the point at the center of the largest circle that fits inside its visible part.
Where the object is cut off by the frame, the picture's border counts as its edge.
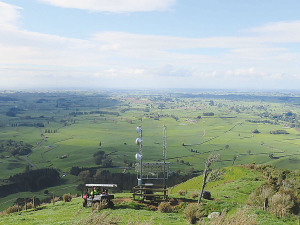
(73, 212)
(190, 140)
(236, 186)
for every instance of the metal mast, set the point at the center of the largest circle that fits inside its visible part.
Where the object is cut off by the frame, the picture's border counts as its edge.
(164, 152)
(141, 153)
(139, 156)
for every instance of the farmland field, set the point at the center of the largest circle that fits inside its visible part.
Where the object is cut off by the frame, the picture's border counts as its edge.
(67, 128)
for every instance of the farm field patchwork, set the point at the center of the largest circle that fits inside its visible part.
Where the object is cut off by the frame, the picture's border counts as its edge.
(67, 129)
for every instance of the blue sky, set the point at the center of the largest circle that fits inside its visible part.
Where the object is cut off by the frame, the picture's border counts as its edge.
(232, 44)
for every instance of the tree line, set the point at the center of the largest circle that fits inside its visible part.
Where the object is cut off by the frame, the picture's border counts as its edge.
(32, 180)
(15, 147)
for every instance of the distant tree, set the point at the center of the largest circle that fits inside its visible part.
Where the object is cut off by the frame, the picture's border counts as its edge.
(11, 114)
(84, 176)
(98, 160)
(233, 160)
(75, 170)
(226, 146)
(189, 171)
(255, 131)
(97, 175)
(99, 153)
(249, 152)
(208, 114)
(161, 106)
(107, 163)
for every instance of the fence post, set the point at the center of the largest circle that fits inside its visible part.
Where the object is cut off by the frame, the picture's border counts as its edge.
(33, 201)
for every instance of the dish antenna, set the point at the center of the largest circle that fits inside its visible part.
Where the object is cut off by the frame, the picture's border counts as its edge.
(138, 141)
(138, 156)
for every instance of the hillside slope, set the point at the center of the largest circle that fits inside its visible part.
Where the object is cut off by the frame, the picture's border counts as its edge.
(230, 194)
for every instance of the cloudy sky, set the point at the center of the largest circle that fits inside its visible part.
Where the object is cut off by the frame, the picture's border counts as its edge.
(232, 44)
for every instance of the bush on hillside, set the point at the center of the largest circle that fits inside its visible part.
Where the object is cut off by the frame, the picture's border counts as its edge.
(12, 209)
(242, 216)
(165, 207)
(257, 198)
(281, 204)
(193, 212)
(102, 219)
(29, 205)
(181, 192)
(67, 197)
(56, 199)
(98, 206)
(195, 194)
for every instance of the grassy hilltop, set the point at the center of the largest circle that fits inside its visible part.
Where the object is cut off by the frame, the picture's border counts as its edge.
(237, 189)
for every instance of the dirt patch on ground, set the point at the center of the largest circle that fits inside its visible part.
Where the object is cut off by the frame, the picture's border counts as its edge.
(297, 129)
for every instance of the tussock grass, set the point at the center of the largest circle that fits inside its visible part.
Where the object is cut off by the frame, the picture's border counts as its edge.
(67, 197)
(242, 216)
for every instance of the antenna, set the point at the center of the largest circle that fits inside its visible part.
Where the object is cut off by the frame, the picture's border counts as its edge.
(139, 156)
(164, 152)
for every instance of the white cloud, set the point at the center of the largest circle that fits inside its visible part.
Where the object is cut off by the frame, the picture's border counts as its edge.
(167, 42)
(277, 76)
(279, 32)
(114, 6)
(9, 14)
(115, 58)
(246, 73)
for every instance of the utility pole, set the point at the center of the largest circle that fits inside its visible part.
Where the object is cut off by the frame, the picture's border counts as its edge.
(164, 152)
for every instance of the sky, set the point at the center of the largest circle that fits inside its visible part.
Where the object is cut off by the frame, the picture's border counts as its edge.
(143, 44)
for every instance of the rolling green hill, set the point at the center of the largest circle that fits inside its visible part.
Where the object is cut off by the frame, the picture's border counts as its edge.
(230, 194)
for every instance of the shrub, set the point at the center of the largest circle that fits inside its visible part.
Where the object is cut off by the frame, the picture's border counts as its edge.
(98, 206)
(165, 207)
(194, 194)
(193, 212)
(12, 209)
(29, 205)
(67, 197)
(257, 198)
(181, 192)
(281, 204)
(242, 216)
(102, 219)
(55, 199)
